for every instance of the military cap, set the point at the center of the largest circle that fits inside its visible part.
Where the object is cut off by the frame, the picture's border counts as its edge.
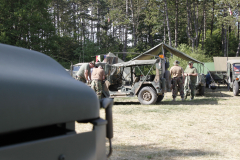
(176, 62)
(190, 62)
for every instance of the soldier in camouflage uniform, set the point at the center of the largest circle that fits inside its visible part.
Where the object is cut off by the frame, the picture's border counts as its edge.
(98, 75)
(192, 73)
(177, 74)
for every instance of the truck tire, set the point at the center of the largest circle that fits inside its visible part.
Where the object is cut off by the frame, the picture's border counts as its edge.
(160, 98)
(235, 88)
(147, 95)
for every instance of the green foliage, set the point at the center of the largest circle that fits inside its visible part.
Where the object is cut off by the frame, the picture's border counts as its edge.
(198, 54)
(89, 50)
(213, 44)
(78, 30)
(26, 24)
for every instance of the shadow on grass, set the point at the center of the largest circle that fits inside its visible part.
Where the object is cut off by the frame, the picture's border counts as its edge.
(151, 152)
(211, 97)
(202, 101)
(217, 94)
(127, 103)
(221, 91)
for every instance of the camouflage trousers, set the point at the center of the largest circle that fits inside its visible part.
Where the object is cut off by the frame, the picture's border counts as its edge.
(82, 79)
(177, 85)
(96, 85)
(190, 86)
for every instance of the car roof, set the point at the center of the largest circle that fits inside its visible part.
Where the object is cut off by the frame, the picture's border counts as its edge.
(232, 61)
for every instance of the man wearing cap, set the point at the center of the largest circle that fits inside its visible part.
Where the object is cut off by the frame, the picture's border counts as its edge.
(192, 73)
(177, 74)
(85, 71)
(98, 75)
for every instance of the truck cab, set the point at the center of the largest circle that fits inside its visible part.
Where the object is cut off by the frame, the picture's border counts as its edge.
(233, 76)
(142, 78)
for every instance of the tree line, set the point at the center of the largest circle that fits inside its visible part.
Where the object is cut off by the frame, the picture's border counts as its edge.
(77, 30)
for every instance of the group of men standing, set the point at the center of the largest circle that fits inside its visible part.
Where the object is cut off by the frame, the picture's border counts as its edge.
(96, 77)
(178, 79)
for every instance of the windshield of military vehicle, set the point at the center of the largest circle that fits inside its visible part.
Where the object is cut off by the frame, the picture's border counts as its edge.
(146, 69)
(236, 67)
(113, 70)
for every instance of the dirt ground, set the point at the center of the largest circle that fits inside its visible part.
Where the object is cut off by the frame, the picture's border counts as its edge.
(207, 127)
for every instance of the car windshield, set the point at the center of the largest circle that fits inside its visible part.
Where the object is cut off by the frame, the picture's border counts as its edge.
(236, 67)
(76, 68)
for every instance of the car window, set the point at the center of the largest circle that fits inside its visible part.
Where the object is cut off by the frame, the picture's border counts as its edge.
(76, 68)
(236, 67)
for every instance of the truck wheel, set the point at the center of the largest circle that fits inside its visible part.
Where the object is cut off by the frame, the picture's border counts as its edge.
(147, 95)
(160, 98)
(235, 88)
(202, 90)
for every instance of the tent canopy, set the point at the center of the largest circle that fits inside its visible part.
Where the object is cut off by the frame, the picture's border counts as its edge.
(136, 63)
(157, 49)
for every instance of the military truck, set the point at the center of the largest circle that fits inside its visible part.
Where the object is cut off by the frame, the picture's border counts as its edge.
(226, 71)
(162, 48)
(146, 76)
(40, 106)
(144, 79)
(233, 76)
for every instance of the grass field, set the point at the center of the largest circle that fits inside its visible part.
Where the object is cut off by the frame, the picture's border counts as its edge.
(206, 128)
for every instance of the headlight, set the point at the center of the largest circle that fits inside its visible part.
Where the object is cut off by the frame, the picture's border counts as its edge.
(238, 77)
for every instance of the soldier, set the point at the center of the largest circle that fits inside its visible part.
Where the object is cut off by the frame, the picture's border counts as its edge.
(98, 75)
(85, 71)
(192, 73)
(177, 74)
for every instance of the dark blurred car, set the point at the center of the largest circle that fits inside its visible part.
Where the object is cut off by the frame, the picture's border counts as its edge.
(40, 103)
